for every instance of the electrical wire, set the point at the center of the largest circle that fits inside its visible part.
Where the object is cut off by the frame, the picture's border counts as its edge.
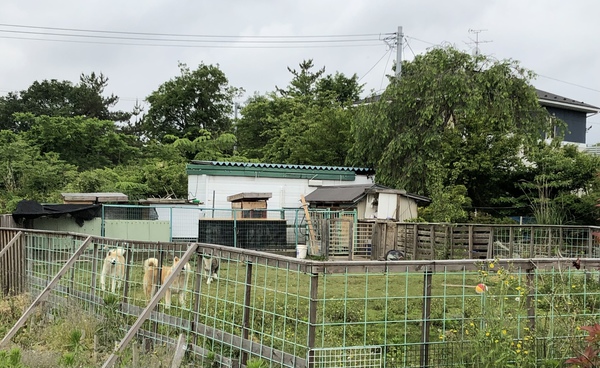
(573, 84)
(193, 46)
(180, 34)
(384, 69)
(381, 58)
(27, 32)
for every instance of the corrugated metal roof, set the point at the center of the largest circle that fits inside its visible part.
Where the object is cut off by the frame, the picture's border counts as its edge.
(339, 194)
(283, 166)
(354, 193)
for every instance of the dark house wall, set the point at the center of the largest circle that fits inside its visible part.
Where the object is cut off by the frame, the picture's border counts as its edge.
(576, 123)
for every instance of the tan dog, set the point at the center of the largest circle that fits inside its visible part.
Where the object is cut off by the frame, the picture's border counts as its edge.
(179, 285)
(148, 262)
(114, 268)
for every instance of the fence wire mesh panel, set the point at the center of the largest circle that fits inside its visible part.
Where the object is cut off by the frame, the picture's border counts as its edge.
(233, 304)
(263, 229)
(349, 357)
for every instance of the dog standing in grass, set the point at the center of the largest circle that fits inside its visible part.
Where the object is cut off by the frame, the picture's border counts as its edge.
(211, 268)
(151, 278)
(114, 268)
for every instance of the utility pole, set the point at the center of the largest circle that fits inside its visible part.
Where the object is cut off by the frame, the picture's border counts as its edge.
(399, 38)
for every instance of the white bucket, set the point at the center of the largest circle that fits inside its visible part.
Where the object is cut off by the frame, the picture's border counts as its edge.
(301, 251)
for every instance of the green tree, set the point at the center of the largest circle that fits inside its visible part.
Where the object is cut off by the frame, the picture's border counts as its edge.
(304, 123)
(85, 142)
(451, 119)
(61, 98)
(304, 83)
(561, 185)
(204, 147)
(261, 122)
(25, 173)
(196, 100)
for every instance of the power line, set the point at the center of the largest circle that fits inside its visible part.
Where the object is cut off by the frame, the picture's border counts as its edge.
(381, 58)
(181, 34)
(192, 46)
(286, 41)
(384, 69)
(573, 84)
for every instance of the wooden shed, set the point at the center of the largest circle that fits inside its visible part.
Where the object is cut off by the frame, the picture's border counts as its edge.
(250, 204)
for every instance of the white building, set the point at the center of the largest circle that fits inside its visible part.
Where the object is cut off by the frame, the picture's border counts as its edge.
(211, 182)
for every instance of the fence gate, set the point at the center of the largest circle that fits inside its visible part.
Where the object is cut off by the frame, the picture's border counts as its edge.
(337, 237)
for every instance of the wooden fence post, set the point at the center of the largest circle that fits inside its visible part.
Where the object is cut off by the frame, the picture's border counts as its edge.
(415, 241)
(530, 298)
(312, 318)
(45, 293)
(11, 267)
(531, 242)
(470, 241)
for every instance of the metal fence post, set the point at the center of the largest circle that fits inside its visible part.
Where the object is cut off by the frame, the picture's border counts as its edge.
(235, 244)
(103, 223)
(128, 264)
(171, 224)
(590, 243)
(426, 314)
(246, 316)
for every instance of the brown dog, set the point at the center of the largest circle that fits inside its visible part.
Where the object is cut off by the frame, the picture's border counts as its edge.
(179, 285)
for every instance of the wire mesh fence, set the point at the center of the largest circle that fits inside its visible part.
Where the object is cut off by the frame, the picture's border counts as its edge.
(295, 313)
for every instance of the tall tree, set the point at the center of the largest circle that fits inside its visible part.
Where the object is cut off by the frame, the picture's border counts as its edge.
(304, 123)
(61, 98)
(451, 119)
(196, 100)
(304, 83)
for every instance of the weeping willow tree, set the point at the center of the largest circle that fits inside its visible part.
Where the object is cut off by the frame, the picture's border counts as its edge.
(451, 120)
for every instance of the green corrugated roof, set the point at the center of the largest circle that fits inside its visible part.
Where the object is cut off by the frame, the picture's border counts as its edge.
(219, 168)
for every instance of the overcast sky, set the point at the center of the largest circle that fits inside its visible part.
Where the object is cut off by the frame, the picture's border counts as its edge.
(130, 42)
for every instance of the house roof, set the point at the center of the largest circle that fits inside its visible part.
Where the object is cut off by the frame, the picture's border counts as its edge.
(354, 193)
(282, 166)
(544, 98)
(550, 99)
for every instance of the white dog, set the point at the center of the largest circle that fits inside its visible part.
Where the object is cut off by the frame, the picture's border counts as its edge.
(211, 268)
(114, 268)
